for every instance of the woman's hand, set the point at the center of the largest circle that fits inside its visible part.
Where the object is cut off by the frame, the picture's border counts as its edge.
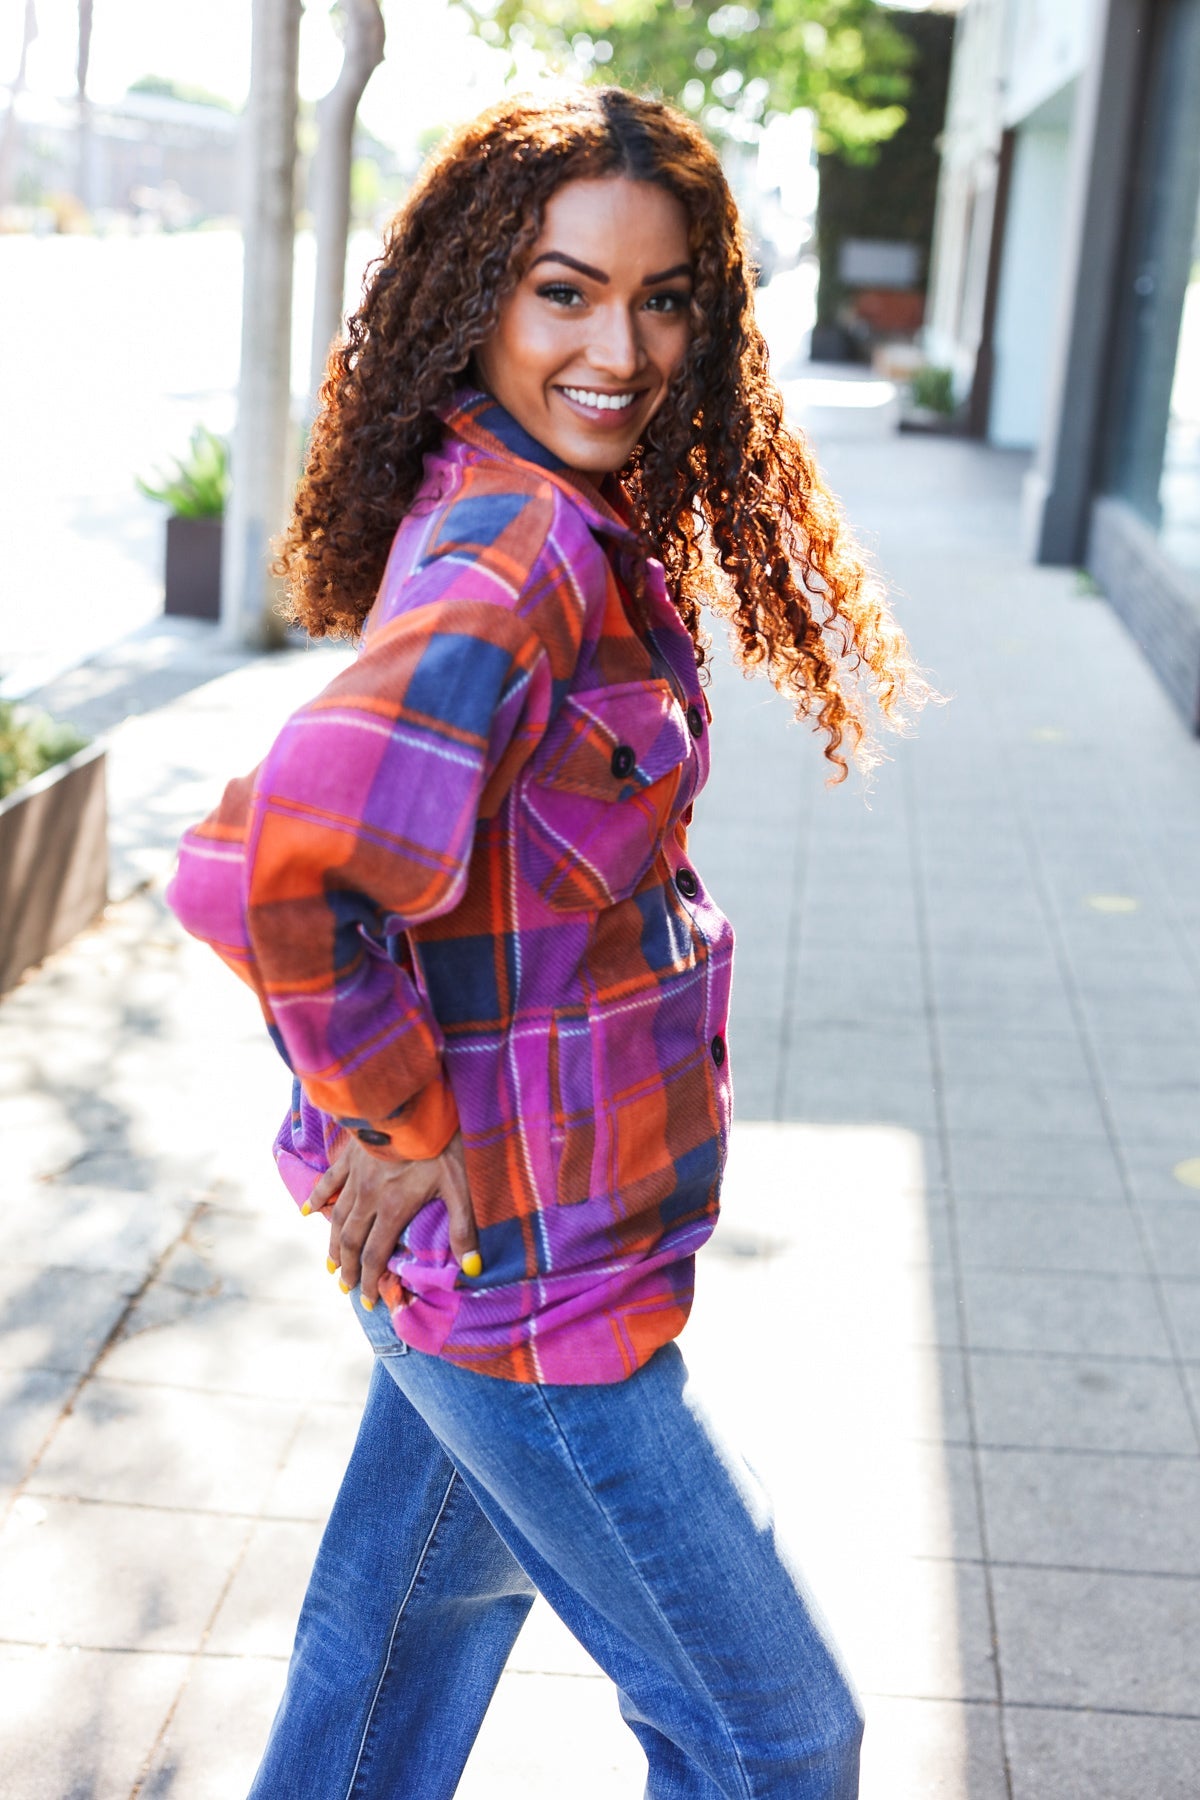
(369, 1202)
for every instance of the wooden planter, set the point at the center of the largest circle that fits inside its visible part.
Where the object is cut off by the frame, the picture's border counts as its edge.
(53, 861)
(194, 568)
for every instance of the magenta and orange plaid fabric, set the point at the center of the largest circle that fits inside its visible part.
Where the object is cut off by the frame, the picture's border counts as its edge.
(459, 886)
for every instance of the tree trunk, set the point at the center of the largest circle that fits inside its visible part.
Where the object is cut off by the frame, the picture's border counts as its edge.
(84, 49)
(336, 113)
(261, 464)
(84, 180)
(8, 137)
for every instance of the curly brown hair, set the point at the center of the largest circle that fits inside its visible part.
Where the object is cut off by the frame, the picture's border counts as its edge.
(721, 488)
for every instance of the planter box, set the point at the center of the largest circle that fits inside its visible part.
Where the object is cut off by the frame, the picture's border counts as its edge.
(194, 568)
(933, 424)
(53, 861)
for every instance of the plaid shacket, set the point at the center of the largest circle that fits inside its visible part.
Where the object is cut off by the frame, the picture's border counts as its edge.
(459, 886)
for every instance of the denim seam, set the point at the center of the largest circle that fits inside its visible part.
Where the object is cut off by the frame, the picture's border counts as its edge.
(540, 1390)
(387, 1661)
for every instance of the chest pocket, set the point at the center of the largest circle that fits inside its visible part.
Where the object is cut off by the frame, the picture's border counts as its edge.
(598, 796)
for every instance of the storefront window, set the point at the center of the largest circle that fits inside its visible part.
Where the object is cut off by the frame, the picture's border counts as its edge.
(1154, 437)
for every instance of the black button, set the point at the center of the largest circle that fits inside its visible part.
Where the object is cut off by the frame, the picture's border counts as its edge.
(624, 761)
(367, 1136)
(718, 1050)
(687, 884)
(695, 719)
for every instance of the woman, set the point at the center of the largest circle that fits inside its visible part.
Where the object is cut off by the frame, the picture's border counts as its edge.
(459, 886)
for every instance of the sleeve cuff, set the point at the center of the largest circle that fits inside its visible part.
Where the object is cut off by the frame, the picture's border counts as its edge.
(418, 1133)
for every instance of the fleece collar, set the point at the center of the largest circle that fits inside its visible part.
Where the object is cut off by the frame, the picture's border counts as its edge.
(480, 421)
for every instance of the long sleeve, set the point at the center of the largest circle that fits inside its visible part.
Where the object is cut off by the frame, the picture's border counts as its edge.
(360, 822)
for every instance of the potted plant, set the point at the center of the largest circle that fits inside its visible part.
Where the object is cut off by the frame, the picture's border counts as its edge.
(930, 405)
(196, 495)
(53, 837)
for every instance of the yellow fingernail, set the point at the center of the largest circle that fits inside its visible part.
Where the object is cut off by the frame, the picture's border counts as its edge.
(368, 1306)
(331, 1265)
(472, 1263)
(345, 1289)
(305, 1210)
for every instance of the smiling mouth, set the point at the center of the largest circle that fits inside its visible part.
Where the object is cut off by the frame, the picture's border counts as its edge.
(599, 402)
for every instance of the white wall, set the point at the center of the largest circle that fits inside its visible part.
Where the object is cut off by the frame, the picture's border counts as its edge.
(1030, 282)
(1047, 45)
(966, 189)
(1012, 59)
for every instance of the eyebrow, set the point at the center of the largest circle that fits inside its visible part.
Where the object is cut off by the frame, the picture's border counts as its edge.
(599, 275)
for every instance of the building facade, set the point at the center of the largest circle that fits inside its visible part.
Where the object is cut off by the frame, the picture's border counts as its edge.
(147, 151)
(1065, 290)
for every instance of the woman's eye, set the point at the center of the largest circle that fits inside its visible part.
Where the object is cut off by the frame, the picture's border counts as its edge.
(670, 302)
(560, 293)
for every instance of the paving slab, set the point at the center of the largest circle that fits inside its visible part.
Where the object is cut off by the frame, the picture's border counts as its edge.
(1081, 1237)
(1081, 1403)
(1032, 1108)
(1145, 1115)
(914, 1395)
(258, 1613)
(211, 1745)
(1093, 1509)
(1141, 1060)
(1012, 1163)
(553, 1734)
(112, 1577)
(980, 1057)
(1162, 1012)
(267, 1252)
(890, 1098)
(910, 1628)
(932, 1750)
(923, 1311)
(79, 1724)
(168, 1447)
(879, 1226)
(232, 1345)
(58, 1318)
(307, 1480)
(31, 1401)
(1101, 1755)
(1152, 1170)
(1182, 1297)
(1112, 1315)
(1077, 1638)
(876, 989)
(1173, 1237)
(546, 1647)
(97, 1229)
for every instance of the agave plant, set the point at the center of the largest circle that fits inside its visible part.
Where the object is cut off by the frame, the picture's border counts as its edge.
(31, 743)
(199, 487)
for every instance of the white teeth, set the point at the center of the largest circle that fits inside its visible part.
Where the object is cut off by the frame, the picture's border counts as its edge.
(602, 402)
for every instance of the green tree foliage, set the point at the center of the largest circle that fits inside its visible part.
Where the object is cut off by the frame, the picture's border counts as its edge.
(730, 64)
(167, 88)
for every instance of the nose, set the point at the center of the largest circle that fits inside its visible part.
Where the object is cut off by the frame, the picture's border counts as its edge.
(615, 348)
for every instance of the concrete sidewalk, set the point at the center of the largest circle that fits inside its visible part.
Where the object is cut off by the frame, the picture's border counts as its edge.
(952, 1312)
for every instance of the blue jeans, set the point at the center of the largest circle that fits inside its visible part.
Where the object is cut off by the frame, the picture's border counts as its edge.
(648, 1537)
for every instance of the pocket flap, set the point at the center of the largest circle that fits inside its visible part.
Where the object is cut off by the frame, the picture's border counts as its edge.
(612, 742)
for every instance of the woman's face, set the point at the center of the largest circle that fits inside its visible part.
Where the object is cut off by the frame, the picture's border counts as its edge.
(586, 344)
